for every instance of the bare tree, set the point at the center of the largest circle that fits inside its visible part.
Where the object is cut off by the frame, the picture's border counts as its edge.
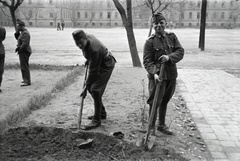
(54, 15)
(72, 12)
(28, 14)
(127, 22)
(154, 6)
(35, 11)
(12, 5)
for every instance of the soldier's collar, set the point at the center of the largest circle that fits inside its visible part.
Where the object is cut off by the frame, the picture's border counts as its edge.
(162, 35)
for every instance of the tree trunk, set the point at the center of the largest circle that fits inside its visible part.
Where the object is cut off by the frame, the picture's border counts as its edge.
(127, 22)
(133, 47)
(12, 12)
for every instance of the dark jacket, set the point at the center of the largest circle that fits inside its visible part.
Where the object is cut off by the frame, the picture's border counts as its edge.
(98, 58)
(155, 47)
(24, 42)
(2, 38)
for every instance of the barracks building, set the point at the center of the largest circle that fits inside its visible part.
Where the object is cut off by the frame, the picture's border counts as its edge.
(103, 13)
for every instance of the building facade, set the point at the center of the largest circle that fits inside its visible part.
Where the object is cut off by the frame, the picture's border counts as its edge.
(103, 13)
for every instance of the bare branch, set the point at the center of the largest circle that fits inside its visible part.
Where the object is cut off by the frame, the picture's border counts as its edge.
(4, 12)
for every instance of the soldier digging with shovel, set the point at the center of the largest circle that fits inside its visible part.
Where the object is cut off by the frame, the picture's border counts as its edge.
(100, 66)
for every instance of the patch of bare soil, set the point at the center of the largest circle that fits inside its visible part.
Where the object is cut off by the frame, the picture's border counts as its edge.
(51, 133)
(43, 143)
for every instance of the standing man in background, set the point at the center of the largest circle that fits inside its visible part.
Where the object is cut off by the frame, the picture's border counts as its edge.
(63, 25)
(24, 51)
(161, 47)
(101, 64)
(2, 53)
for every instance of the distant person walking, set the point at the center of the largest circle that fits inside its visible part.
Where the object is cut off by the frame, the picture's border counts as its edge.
(63, 25)
(24, 51)
(2, 53)
(100, 64)
(58, 26)
(161, 47)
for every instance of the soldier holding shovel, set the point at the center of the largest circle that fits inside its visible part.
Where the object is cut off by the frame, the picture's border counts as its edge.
(100, 66)
(161, 47)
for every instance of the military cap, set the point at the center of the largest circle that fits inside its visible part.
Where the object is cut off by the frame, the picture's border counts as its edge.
(79, 34)
(20, 23)
(158, 17)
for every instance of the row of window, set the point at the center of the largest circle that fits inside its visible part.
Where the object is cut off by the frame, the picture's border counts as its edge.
(214, 15)
(100, 15)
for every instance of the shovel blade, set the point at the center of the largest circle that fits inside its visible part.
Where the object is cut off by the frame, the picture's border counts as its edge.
(151, 141)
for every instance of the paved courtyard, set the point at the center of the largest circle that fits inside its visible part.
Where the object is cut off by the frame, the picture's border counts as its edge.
(213, 97)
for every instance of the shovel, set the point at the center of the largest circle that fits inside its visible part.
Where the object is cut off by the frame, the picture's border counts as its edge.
(148, 140)
(82, 99)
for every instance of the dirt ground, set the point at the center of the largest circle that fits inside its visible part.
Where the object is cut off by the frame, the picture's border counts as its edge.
(51, 133)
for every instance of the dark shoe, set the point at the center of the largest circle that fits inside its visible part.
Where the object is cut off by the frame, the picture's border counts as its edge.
(0, 90)
(25, 84)
(164, 129)
(103, 117)
(91, 125)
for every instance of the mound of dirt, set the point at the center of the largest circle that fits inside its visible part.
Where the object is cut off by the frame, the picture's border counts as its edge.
(48, 143)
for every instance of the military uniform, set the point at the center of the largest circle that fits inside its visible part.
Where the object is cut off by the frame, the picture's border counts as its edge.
(24, 52)
(154, 48)
(101, 64)
(2, 52)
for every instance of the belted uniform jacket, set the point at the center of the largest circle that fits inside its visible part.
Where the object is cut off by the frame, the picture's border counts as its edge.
(24, 42)
(98, 57)
(156, 46)
(2, 38)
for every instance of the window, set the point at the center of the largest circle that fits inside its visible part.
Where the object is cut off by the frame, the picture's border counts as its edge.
(30, 14)
(182, 15)
(100, 15)
(109, 15)
(231, 16)
(222, 15)
(190, 24)
(190, 15)
(93, 24)
(231, 3)
(100, 24)
(50, 1)
(40, 14)
(78, 14)
(86, 15)
(29, 1)
(116, 15)
(198, 15)
(51, 24)
(199, 4)
(108, 5)
(51, 15)
(214, 15)
(215, 4)
(223, 4)
(93, 15)
(116, 24)
(30, 23)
